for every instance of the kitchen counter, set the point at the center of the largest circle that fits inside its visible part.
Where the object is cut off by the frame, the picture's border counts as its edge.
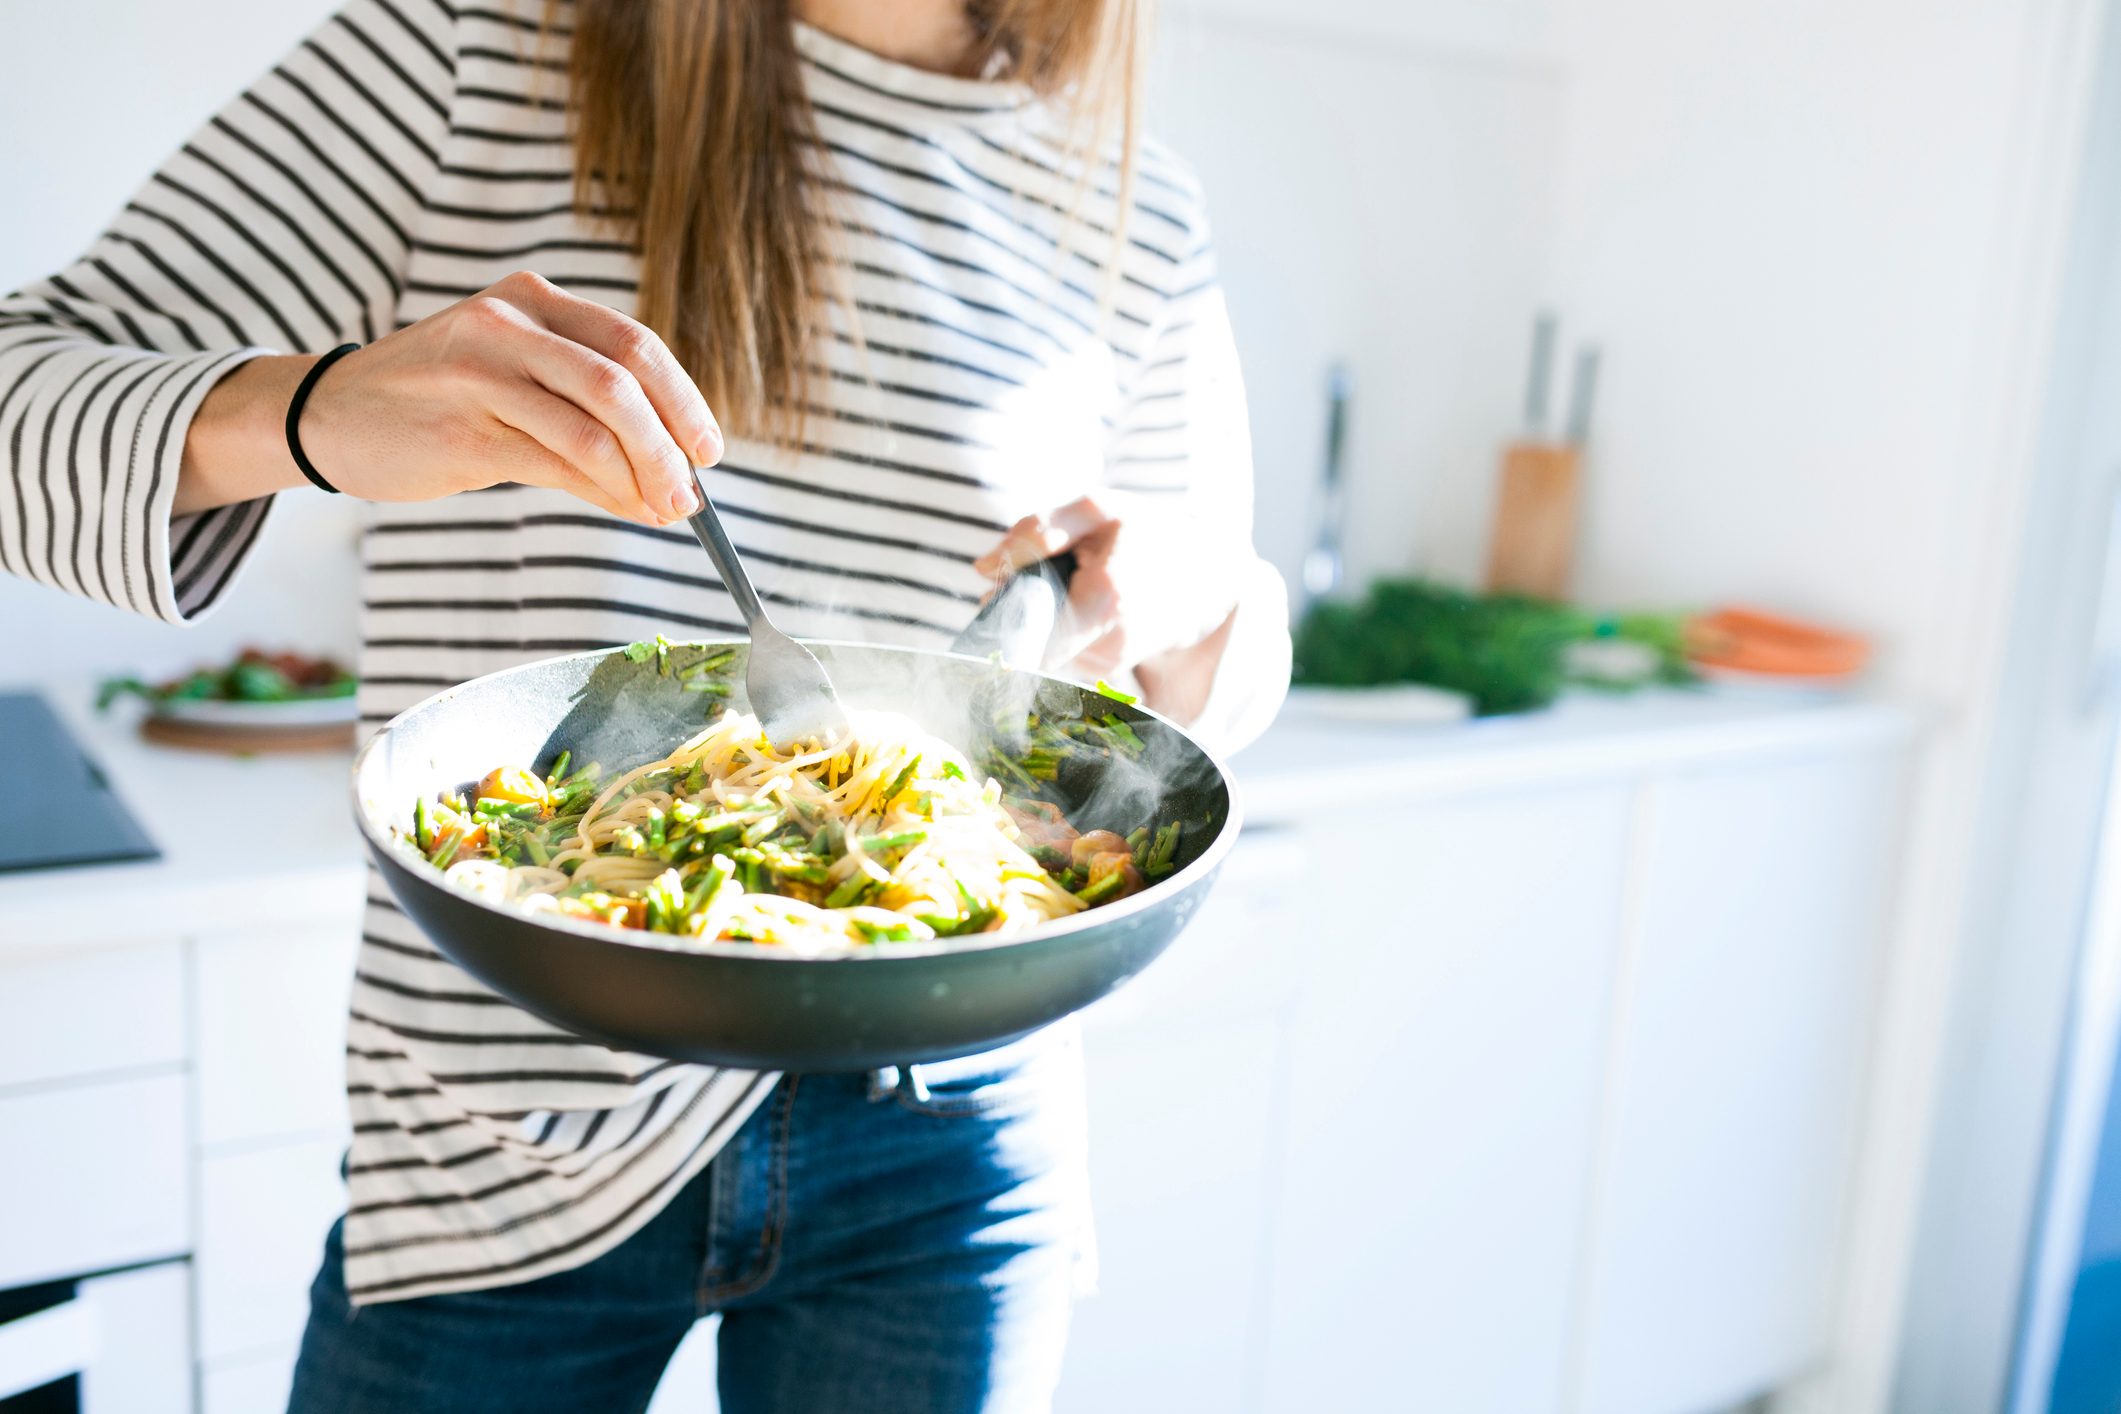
(1309, 762)
(260, 840)
(245, 840)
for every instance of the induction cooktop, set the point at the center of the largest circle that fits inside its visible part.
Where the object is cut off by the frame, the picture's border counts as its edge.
(55, 788)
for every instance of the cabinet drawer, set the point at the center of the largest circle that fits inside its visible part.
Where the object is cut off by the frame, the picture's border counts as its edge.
(95, 1177)
(272, 1031)
(262, 1218)
(65, 1015)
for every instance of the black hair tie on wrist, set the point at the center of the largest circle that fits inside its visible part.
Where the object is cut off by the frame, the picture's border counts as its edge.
(294, 416)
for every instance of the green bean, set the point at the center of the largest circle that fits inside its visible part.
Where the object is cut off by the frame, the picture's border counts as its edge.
(664, 903)
(1104, 888)
(899, 781)
(976, 914)
(1162, 851)
(718, 872)
(855, 888)
(1134, 744)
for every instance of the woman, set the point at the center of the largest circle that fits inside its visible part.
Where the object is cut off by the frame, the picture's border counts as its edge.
(861, 257)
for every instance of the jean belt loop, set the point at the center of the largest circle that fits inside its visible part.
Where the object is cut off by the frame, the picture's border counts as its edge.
(913, 1086)
(883, 1083)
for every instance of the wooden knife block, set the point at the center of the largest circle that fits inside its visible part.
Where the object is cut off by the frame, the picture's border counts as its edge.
(1533, 544)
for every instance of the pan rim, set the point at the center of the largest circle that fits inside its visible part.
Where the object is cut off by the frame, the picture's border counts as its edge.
(1209, 860)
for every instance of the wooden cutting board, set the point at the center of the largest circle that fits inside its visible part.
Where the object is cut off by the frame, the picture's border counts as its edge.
(247, 740)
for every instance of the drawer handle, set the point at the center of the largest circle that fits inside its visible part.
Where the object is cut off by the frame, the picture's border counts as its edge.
(46, 1345)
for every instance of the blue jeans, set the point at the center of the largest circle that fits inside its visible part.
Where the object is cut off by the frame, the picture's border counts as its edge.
(872, 1249)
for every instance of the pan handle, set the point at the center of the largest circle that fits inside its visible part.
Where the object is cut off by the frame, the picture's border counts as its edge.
(1019, 620)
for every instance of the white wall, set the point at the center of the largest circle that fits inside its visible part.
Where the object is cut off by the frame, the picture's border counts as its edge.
(74, 144)
(1385, 200)
(2035, 918)
(1820, 241)
(1776, 215)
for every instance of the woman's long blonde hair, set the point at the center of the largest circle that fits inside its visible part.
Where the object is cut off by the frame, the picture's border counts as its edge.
(690, 116)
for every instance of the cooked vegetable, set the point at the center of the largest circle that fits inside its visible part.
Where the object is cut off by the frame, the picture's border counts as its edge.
(883, 837)
(254, 676)
(516, 785)
(1115, 694)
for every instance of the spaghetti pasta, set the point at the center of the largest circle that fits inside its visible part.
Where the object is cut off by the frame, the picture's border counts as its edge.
(886, 834)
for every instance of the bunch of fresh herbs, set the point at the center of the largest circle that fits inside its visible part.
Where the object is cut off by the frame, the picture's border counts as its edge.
(1506, 652)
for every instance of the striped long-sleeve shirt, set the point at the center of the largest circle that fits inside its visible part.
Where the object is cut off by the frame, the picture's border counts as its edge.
(412, 152)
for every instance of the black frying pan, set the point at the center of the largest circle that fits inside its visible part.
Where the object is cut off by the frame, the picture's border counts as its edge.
(749, 1005)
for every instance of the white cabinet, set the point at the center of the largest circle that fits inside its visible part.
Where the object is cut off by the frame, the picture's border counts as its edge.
(124, 1339)
(1747, 982)
(1181, 1150)
(1184, 1085)
(270, 1073)
(142, 1361)
(66, 1013)
(72, 1190)
(1494, 1102)
(263, 1214)
(272, 1029)
(1442, 1087)
(117, 1108)
(254, 1384)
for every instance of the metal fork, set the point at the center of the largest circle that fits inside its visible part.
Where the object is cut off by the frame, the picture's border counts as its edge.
(787, 685)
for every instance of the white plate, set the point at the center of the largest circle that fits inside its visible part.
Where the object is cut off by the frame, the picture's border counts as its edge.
(296, 712)
(1777, 686)
(1400, 702)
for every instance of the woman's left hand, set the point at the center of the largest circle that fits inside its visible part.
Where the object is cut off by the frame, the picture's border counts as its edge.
(1143, 589)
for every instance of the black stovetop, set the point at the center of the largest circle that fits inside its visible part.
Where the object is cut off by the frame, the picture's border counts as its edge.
(60, 808)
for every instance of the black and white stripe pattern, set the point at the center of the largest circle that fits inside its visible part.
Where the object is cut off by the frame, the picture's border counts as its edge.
(411, 153)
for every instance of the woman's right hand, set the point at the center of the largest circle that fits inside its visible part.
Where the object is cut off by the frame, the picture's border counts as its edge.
(521, 382)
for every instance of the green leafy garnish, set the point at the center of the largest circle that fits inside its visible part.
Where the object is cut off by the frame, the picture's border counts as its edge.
(253, 677)
(898, 782)
(657, 648)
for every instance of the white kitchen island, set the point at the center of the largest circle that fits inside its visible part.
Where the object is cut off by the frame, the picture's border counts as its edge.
(1513, 1066)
